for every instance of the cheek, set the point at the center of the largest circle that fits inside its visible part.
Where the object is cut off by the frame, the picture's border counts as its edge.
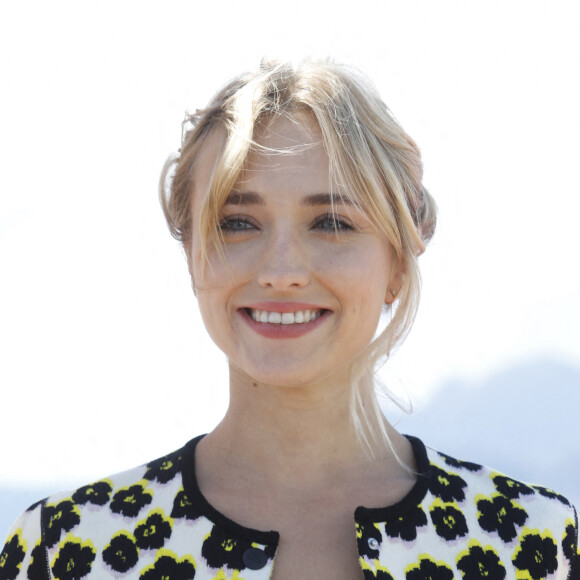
(216, 318)
(361, 276)
(216, 273)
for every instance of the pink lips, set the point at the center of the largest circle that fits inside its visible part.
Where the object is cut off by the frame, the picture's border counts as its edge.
(283, 306)
(282, 330)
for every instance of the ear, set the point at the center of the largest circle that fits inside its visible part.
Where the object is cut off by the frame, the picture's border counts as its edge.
(395, 283)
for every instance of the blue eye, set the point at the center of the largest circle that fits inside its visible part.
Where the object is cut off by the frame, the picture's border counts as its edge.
(234, 224)
(333, 224)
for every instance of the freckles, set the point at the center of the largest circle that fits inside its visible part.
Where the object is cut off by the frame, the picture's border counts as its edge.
(340, 267)
(216, 273)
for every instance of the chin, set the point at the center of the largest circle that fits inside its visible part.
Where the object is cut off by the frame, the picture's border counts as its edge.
(288, 377)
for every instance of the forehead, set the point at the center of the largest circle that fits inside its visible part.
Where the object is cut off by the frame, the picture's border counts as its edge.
(288, 155)
(296, 134)
(294, 130)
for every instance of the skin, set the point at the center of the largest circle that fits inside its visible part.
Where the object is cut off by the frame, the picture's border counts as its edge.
(286, 443)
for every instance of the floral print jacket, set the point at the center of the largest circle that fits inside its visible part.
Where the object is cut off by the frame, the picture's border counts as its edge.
(460, 520)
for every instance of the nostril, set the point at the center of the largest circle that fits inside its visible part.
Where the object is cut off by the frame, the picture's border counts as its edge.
(280, 277)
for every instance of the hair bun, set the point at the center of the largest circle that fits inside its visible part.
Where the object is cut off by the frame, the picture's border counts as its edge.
(426, 216)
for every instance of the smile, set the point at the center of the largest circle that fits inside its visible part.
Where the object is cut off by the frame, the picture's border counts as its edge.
(297, 317)
(284, 320)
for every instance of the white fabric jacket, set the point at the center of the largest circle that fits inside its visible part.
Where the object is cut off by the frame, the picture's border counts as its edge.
(460, 520)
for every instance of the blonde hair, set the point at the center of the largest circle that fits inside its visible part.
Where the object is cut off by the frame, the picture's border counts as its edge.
(370, 155)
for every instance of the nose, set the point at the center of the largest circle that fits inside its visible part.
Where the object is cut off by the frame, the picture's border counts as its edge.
(284, 263)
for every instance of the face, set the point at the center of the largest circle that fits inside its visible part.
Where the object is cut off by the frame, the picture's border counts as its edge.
(305, 277)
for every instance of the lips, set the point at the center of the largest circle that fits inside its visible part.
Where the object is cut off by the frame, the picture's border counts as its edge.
(283, 320)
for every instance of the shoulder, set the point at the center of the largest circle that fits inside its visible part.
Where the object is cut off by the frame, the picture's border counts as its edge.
(465, 520)
(52, 528)
(526, 519)
(459, 479)
(124, 494)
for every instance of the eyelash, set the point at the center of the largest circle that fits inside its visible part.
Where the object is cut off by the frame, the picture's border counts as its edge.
(337, 224)
(225, 224)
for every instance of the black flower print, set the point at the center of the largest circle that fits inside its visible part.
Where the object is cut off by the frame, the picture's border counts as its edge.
(510, 487)
(122, 552)
(536, 554)
(446, 485)
(97, 493)
(569, 546)
(551, 494)
(369, 539)
(376, 572)
(164, 469)
(448, 520)
(129, 501)
(500, 514)
(58, 518)
(457, 463)
(12, 557)
(183, 508)
(74, 560)
(168, 567)
(38, 562)
(221, 549)
(405, 526)
(428, 569)
(478, 563)
(152, 532)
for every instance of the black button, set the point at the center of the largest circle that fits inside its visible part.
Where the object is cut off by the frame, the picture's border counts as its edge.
(254, 558)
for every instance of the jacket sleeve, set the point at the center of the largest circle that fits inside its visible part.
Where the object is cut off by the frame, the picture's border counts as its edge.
(24, 556)
(572, 543)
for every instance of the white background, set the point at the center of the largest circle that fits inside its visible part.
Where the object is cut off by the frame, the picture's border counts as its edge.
(104, 362)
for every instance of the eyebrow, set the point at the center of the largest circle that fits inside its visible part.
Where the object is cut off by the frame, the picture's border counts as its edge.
(315, 199)
(244, 198)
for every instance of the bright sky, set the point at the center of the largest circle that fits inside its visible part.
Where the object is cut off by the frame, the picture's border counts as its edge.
(105, 363)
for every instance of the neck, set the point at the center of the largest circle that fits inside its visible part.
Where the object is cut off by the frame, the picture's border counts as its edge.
(292, 436)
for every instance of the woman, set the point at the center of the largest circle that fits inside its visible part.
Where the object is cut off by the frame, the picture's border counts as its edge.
(298, 200)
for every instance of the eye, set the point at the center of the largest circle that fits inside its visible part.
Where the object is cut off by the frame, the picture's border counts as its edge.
(333, 224)
(235, 224)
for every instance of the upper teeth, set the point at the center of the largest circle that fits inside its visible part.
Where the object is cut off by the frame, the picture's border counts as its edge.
(297, 317)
